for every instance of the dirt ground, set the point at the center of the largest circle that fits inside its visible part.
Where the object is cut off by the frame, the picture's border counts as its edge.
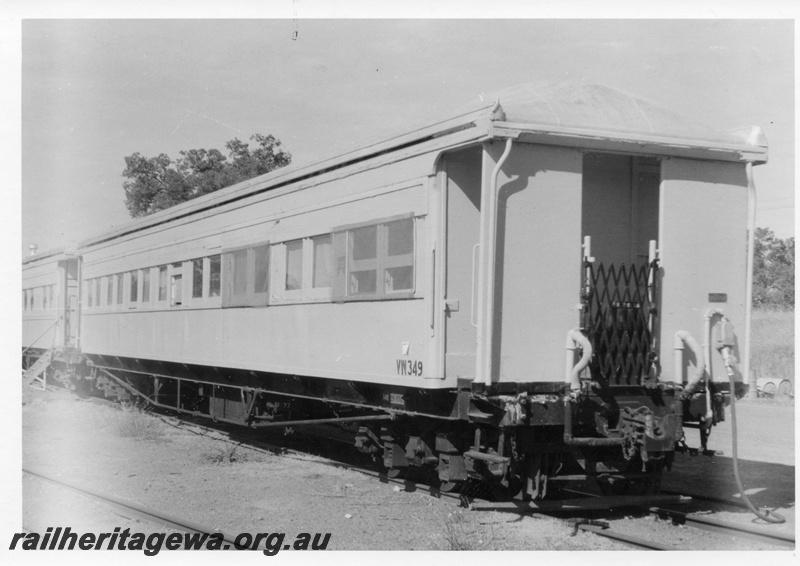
(189, 475)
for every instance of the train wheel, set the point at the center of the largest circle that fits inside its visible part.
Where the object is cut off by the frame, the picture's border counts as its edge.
(397, 473)
(450, 486)
(785, 389)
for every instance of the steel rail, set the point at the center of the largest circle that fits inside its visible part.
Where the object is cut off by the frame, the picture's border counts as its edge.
(727, 528)
(138, 511)
(623, 538)
(693, 520)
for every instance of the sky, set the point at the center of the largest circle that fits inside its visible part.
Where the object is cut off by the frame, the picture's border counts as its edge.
(78, 95)
(95, 91)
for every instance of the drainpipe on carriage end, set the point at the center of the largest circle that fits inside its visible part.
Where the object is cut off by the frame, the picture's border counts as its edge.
(684, 337)
(748, 293)
(710, 314)
(575, 340)
(486, 273)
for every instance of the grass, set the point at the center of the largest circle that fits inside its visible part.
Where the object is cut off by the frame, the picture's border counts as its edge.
(135, 421)
(772, 352)
(225, 454)
(461, 534)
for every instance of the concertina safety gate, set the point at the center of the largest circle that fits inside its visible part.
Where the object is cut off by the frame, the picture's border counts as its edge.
(619, 315)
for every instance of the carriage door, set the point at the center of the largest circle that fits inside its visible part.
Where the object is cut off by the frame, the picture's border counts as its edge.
(463, 194)
(68, 307)
(620, 214)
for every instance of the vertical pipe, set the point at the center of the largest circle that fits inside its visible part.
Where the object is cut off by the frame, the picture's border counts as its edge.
(78, 314)
(486, 272)
(748, 294)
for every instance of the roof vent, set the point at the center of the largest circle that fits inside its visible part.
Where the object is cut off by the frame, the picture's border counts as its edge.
(33, 248)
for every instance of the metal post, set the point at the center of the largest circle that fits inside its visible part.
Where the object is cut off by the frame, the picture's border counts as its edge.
(752, 389)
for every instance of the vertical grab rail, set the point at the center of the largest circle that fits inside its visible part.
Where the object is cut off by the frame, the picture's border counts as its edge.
(432, 320)
(474, 290)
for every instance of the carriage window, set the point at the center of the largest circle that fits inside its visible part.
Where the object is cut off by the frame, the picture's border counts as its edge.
(261, 259)
(379, 260)
(120, 287)
(197, 278)
(146, 285)
(134, 286)
(246, 276)
(239, 272)
(162, 283)
(44, 297)
(176, 285)
(110, 290)
(399, 263)
(294, 265)
(214, 278)
(364, 261)
(322, 261)
(89, 293)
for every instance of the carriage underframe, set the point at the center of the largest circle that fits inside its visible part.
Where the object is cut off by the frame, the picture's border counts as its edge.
(528, 440)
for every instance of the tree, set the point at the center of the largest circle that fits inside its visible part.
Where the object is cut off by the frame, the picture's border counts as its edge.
(773, 270)
(156, 183)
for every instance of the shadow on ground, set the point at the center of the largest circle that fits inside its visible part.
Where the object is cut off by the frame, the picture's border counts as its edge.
(766, 484)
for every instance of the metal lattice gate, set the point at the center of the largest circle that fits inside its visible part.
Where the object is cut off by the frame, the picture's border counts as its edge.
(619, 315)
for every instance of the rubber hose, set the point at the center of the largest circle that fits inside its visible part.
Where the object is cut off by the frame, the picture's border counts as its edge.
(767, 515)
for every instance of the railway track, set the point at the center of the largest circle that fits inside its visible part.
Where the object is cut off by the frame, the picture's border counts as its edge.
(739, 531)
(777, 540)
(597, 527)
(735, 530)
(132, 510)
(326, 454)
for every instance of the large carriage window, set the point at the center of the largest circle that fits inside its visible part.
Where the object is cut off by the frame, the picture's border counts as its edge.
(375, 261)
(110, 290)
(399, 262)
(245, 276)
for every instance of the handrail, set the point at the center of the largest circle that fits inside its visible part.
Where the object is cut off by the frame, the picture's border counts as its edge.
(472, 310)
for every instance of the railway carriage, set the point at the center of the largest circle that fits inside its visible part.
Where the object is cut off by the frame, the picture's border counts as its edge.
(541, 288)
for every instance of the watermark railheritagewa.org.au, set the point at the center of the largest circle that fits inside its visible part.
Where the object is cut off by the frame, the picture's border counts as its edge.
(270, 544)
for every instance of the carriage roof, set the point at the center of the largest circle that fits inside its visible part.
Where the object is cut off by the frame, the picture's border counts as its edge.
(587, 116)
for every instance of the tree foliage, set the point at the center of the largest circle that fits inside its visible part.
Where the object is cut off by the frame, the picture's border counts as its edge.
(773, 270)
(156, 183)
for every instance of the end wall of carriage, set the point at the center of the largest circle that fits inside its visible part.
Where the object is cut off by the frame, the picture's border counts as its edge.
(49, 302)
(538, 258)
(703, 242)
